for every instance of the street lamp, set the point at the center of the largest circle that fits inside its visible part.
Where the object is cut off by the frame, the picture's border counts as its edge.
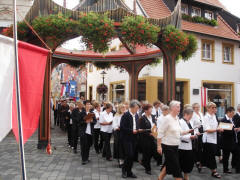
(103, 73)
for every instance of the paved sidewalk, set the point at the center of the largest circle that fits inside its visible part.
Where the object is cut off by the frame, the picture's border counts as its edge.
(64, 165)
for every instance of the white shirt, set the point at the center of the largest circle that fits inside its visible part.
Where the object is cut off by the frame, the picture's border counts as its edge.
(88, 129)
(169, 130)
(238, 113)
(70, 120)
(134, 120)
(159, 119)
(150, 120)
(116, 121)
(97, 115)
(106, 118)
(156, 111)
(210, 122)
(196, 121)
(186, 142)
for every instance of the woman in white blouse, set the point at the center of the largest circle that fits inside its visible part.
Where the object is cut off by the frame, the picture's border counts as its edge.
(210, 127)
(98, 140)
(169, 134)
(197, 122)
(106, 119)
(117, 150)
(186, 154)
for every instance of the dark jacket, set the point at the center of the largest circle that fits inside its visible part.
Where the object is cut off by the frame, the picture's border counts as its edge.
(145, 124)
(83, 124)
(236, 121)
(228, 137)
(76, 117)
(126, 127)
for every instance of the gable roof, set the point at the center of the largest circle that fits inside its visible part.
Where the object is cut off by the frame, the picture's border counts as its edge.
(223, 30)
(158, 9)
(155, 8)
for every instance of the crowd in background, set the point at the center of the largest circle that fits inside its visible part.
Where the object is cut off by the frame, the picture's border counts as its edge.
(177, 139)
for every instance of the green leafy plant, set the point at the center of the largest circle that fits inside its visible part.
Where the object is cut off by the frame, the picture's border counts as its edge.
(55, 29)
(102, 65)
(190, 49)
(137, 30)
(97, 31)
(23, 31)
(198, 19)
(174, 40)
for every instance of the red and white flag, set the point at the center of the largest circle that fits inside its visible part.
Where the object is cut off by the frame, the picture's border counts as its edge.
(32, 63)
(204, 97)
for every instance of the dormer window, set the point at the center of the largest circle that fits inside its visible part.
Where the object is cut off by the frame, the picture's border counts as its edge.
(209, 15)
(184, 8)
(238, 28)
(196, 11)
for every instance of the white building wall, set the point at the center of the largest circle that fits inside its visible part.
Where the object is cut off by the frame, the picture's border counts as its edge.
(195, 70)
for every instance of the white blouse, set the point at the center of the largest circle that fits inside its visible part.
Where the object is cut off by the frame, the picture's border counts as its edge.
(116, 121)
(186, 142)
(97, 115)
(169, 130)
(210, 122)
(106, 117)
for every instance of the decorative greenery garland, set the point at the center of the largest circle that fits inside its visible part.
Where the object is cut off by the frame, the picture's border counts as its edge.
(102, 65)
(137, 30)
(198, 19)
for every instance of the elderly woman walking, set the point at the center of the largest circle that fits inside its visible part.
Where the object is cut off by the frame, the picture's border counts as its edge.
(169, 133)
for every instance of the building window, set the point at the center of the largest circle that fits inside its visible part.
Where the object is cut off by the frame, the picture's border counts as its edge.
(228, 55)
(184, 8)
(196, 11)
(118, 92)
(221, 94)
(238, 28)
(209, 15)
(207, 50)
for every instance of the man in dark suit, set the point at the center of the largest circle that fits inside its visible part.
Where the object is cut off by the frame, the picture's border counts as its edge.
(128, 134)
(236, 155)
(86, 131)
(228, 139)
(75, 124)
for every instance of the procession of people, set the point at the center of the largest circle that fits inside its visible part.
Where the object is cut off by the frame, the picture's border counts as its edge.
(142, 132)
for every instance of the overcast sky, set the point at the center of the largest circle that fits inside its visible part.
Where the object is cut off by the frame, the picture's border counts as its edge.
(232, 6)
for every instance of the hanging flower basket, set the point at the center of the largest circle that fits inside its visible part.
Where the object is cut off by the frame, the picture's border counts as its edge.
(97, 31)
(102, 89)
(102, 65)
(55, 29)
(174, 40)
(137, 30)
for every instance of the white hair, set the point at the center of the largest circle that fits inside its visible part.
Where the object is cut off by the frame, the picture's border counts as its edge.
(238, 106)
(174, 103)
(72, 105)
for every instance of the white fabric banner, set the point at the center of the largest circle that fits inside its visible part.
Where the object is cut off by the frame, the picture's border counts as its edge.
(6, 84)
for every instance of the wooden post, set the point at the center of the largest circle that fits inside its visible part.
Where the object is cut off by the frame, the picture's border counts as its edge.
(169, 76)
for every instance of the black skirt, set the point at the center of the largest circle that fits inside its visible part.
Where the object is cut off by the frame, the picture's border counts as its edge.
(172, 163)
(186, 159)
(209, 153)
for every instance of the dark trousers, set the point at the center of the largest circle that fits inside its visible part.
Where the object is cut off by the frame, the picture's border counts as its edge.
(117, 146)
(209, 151)
(98, 140)
(86, 143)
(129, 150)
(106, 145)
(75, 135)
(235, 158)
(70, 134)
(149, 149)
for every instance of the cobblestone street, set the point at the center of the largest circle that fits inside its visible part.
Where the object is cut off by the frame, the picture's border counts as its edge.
(63, 164)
